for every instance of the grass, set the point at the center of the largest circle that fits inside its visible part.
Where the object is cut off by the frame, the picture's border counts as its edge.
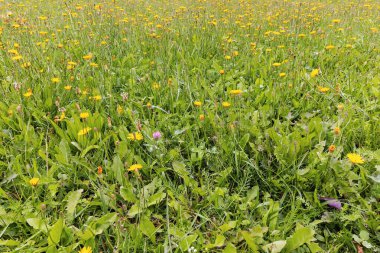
(189, 126)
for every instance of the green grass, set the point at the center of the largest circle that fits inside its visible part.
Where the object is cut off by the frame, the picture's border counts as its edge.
(244, 177)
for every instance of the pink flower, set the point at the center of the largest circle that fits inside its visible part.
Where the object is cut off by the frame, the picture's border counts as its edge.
(157, 135)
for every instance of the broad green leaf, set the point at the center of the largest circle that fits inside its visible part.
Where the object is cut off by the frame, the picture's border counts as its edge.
(228, 226)
(147, 228)
(250, 241)
(127, 194)
(72, 201)
(186, 242)
(230, 248)
(55, 232)
(37, 223)
(300, 237)
(275, 247)
(135, 209)
(103, 223)
(156, 198)
(10, 243)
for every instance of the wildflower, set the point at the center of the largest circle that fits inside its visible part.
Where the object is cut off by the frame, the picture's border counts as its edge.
(221, 71)
(336, 130)
(87, 57)
(197, 103)
(119, 109)
(332, 148)
(329, 47)
(202, 117)
(28, 93)
(136, 136)
(340, 107)
(276, 64)
(62, 117)
(16, 58)
(149, 105)
(86, 250)
(84, 115)
(314, 73)
(336, 21)
(67, 87)
(84, 131)
(227, 57)
(282, 74)
(235, 53)
(34, 181)
(355, 158)
(100, 170)
(331, 202)
(226, 104)
(135, 167)
(157, 135)
(323, 89)
(94, 65)
(156, 86)
(236, 92)
(97, 97)
(55, 80)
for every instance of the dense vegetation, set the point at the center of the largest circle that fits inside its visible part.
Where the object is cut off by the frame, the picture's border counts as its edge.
(189, 126)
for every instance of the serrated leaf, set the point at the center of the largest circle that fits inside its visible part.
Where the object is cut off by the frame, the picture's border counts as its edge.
(72, 201)
(250, 242)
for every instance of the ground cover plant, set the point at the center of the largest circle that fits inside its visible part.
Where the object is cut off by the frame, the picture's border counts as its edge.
(189, 126)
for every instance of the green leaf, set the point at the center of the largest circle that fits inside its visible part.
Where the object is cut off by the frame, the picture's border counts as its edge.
(103, 223)
(156, 198)
(9, 243)
(244, 140)
(274, 247)
(228, 226)
(230, 248)
(88, 149)
(250, 242)
(37, 223)
(147, 228)
(72, 201)
(300, 237)
(55, 232)
(117, 168)
(185, 244)
(135, 209)
(127, 194)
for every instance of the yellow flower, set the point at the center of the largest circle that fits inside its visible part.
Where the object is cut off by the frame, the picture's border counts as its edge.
(282, 74)
(202, 117)
(55, 80)
(86, 250)
(97, 97)
(226, 104)
(227, 57)
(135, 167)
(87, 57)
(67, 87)
(276, 64)
(93, 64)
(197, 103)
(84, 115)
(314, 73)
(221, 71)
(16, 58)
(84, 131)
(34, 181)
(329, 47)
(236, 92)
(355, 158)
(28, 93)
(119, 109)
(323, 89)
(136, 136)
(62, 117)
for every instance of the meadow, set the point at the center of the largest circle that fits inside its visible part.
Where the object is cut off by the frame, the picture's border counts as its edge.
(189, 126)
